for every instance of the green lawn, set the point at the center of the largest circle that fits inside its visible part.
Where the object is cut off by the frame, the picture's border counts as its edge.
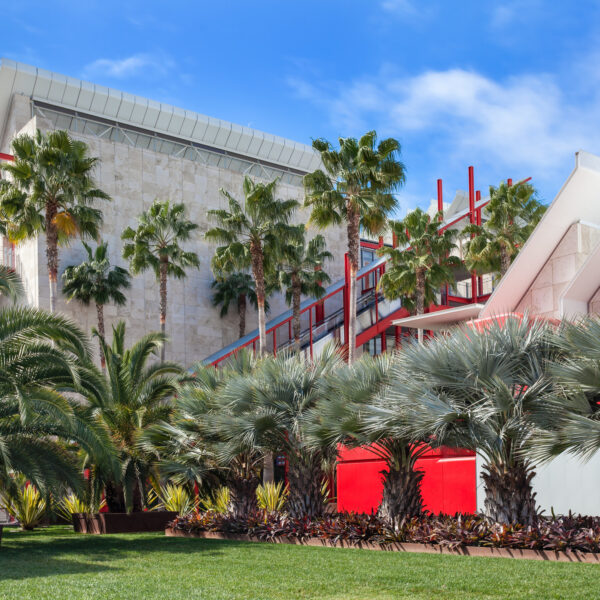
(56, 563)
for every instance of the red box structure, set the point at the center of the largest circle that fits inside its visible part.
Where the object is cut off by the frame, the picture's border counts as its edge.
(448, 487)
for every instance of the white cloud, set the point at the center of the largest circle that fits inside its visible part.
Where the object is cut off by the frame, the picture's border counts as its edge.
(531, 122)
(399, 6)
(131, 66)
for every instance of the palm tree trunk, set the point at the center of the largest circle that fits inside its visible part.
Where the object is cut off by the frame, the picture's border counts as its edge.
(509, 495)
(353, 250)
(259, 281)
(242, 314)
(504, 260)
(401, 493)
(52, 253)
(296, 298)
(243, 494)
(420, 299)
(164, 265)
(305, 479)
(100, 313)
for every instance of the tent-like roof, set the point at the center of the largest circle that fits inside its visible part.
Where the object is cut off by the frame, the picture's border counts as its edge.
(96, 100)
(577, 200)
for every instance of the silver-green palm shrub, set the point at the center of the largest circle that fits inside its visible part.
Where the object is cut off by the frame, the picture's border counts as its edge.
(354, 412)
(270, 409)
(196, 444)
(476, 390)
(570, 421)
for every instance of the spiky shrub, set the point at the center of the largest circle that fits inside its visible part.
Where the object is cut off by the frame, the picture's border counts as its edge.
(218, 502)
(26, 505)
(272, 496)
(175, 498)
(476, 389)
(72, 504)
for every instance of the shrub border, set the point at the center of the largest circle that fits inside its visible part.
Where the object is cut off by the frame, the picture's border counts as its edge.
(572, 556)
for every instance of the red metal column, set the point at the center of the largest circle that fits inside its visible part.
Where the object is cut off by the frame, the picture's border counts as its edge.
(346, 297)
(440, 199)
(472, 219)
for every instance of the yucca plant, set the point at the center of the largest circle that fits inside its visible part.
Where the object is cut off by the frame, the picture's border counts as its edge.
(72, 504)
(175, 498)
(271, 496)
(218, 502)
(26, 505)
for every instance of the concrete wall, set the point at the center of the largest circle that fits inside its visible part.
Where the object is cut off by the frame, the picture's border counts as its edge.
(134, 178)
(543, 296)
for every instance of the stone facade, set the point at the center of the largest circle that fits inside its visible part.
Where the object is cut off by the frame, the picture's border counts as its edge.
(134, 178)
(543, 296)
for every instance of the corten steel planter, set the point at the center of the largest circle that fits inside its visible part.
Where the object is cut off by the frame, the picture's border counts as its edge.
(547, 555)
(137, 522)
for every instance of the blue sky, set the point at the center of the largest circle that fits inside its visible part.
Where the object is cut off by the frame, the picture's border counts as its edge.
(510, 87)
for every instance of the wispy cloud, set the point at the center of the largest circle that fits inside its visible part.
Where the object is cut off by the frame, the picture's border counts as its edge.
(532, 123)
(147, 65)
(406, 7)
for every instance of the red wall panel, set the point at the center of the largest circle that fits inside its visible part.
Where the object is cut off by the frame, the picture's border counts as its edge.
(448, 483)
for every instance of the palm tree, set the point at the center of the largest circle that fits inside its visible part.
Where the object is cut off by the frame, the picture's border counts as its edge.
(235, 287)
(155, 244)
(40, 355)
(476, 389)
(11, 285)
(301, 273)
(193, 448)
(50, 190)
(94, 281)
(417, 272)
(269, 410)
(512, 214)
(250, 236)
(350, 415)
(569, 419)
(131, 398)
(357, 188)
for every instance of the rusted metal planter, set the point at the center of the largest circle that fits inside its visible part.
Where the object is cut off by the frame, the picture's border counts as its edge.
(546, 555)
(137, 522)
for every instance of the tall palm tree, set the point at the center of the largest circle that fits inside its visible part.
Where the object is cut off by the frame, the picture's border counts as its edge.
(250, 235)
(476, 390)
(512, 214)
(94, 281)
(301, 273)
(237, 287)
(50, 190)
(349, 415)
(155, 245)
(132, 397)
(356, 188)
(193, 447)
(417, 272)
(40, 355)
(269, 410)
(569, 418)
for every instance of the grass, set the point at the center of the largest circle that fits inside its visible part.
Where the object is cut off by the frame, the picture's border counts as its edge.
(56, 563)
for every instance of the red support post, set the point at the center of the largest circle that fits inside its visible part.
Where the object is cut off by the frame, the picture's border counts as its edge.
(472, 219)
(346, 297)
(509, 182)
(440, 199)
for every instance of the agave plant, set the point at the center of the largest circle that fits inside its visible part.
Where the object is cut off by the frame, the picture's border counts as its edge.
(218, 502)
(72, 504)
(272, 496)
(175, 498)
(25, 504)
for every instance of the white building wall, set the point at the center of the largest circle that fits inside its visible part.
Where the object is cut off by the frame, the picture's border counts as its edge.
(134, 178)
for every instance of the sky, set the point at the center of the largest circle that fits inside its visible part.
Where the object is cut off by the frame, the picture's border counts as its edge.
(510, 87)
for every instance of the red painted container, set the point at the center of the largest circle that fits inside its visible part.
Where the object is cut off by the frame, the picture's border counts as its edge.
(448, 484)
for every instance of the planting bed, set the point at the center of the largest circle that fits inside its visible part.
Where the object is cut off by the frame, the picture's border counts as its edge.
(568, 538)
(137, 522)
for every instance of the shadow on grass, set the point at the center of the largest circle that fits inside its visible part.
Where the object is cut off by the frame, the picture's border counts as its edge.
(55, 551)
